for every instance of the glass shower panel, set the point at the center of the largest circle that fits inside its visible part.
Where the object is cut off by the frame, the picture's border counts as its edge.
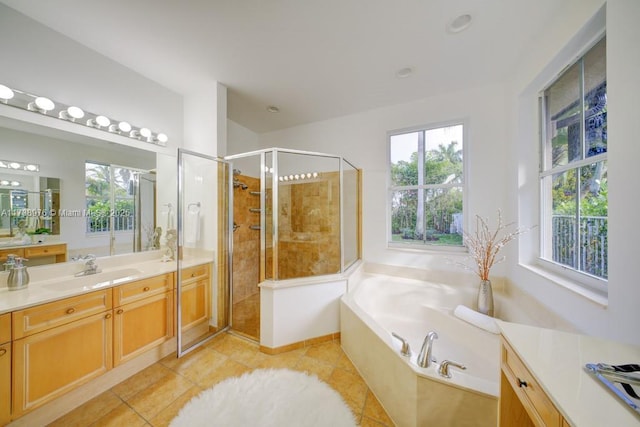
(203, 248)
(351, 213)
(308, 215)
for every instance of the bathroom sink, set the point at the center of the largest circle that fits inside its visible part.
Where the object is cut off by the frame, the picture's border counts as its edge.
(95, 281)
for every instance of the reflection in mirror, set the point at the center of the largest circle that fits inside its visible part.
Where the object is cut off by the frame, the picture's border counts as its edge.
(26, 204)
(66, 162)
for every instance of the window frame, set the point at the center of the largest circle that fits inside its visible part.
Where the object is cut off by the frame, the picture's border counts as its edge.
(581, 278)
(422, 247)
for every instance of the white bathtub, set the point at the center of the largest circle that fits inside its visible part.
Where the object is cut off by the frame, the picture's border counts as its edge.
(378, 305)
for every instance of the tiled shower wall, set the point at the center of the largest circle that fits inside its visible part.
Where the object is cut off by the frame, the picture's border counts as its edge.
(246, 258)
(309, 227)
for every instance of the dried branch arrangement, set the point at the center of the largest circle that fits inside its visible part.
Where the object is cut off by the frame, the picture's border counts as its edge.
(485, 245)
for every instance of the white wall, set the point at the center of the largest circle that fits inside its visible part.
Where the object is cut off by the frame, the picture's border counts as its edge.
(617, 319)
(362, 139)
(39, 60)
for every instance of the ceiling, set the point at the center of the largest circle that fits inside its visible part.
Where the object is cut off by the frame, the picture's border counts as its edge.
(314, 60)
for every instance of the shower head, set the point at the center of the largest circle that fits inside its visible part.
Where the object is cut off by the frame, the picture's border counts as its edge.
(236, 172)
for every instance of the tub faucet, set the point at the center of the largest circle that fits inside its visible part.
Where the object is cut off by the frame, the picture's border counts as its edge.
(424, 357)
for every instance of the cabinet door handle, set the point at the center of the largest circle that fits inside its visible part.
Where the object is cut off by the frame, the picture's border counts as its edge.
(107, 316)
(521, 383)
(3, 351)
(71, 310)
(120, 311)
(193, 274)
(146, 289)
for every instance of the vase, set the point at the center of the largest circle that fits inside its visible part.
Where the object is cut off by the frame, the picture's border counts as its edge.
(485, 298)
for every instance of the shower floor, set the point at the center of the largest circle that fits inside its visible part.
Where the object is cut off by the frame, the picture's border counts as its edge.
(246, 316)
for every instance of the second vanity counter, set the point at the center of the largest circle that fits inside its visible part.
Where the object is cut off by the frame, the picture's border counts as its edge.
(556, 362)
(54, 282)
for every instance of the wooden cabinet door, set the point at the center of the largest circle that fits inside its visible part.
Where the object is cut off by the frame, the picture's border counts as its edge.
(50, 363)
(194, 304)
(142, 325)
(5, 383)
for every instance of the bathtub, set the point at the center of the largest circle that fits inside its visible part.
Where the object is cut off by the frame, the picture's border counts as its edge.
(377, 305)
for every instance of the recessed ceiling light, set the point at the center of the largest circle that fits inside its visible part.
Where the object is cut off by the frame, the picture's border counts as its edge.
(273, 109)
(459, 23)
(403, 73)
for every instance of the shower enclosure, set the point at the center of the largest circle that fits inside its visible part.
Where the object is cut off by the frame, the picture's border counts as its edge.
(296, 214)
(268, 215)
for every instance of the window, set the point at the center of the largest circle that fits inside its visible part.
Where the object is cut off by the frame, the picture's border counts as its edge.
(101, 208)
(426, 186)
(573, 175)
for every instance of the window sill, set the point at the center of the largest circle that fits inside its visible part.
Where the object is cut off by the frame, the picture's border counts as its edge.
(436, 249)
(592, 295)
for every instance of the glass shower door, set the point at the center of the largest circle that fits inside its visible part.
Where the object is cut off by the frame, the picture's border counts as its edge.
(203, 250)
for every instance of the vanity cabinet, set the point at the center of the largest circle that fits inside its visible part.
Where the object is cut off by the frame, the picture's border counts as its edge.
(143, 316)
(523, 402)
(58, 346)
(59, 251)
(195, 302)
(5, 368)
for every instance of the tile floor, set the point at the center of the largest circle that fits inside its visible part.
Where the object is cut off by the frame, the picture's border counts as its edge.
(155, 395)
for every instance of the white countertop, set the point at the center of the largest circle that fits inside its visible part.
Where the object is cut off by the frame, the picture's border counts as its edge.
(56, 281)
(557, 360)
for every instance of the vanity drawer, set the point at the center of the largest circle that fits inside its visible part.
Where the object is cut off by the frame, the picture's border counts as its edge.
(534, 399)
(38, 251)
(5, 328)
(17, 252)
(141, 289)
(46, 316)
(195, 273)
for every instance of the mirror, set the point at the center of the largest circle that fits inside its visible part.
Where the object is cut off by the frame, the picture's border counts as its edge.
(105, 219)
(26, 204)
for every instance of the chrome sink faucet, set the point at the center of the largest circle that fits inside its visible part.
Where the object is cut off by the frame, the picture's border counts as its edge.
(424, 357)
(90, 267)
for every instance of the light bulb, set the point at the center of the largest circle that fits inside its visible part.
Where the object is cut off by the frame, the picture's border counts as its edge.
(45, 104)
(6, 93)
(41, 104)
(103, 121)
(296, 176)
(120, 127)
(32, 168)
(4, 182)
(99, 122)
(162, 137)
(145, 133)
(315, 174)
(71, 113)
(308, 175)
(14, 165)
(15, 184)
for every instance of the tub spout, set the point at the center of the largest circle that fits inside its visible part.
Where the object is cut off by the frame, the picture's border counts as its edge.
(424, 357)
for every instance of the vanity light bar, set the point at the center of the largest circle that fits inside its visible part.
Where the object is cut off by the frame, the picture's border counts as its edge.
(14, 165)
(43, 105)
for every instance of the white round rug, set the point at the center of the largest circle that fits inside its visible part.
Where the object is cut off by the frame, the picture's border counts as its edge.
(265, 398)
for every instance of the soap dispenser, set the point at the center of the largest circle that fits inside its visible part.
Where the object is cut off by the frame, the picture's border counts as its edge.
(18, 275)
(9, 263)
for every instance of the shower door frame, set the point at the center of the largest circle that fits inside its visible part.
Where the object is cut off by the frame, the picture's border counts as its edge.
(180, 242)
